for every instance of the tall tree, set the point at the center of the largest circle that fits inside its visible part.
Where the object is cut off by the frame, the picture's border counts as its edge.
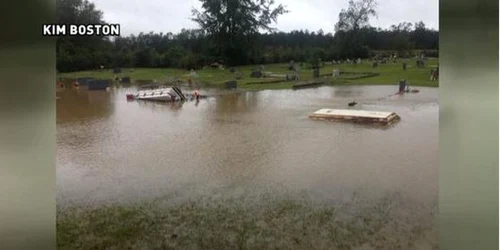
(78, 53)
(352, 20)
(356, 16)
(233, 25)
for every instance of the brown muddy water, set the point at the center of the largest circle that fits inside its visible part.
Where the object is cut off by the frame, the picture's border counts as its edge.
(109, 149)
(253, 146)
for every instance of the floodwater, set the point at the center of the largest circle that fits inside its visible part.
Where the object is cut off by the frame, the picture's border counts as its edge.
(113, 150)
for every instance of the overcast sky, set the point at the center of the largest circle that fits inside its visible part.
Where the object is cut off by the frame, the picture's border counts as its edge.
(173, 15)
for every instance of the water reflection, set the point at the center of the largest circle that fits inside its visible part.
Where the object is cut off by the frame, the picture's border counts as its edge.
(161, 106)
(348, 91)
(236, 102)
(79, 103)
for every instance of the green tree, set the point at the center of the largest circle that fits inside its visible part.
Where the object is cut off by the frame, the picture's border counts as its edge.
(357, 15)
(80, 50)
(233, 25)
(352, 23)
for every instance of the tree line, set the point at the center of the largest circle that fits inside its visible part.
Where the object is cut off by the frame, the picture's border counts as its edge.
(237, 33)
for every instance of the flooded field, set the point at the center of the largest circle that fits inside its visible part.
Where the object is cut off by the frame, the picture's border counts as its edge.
(254, 147)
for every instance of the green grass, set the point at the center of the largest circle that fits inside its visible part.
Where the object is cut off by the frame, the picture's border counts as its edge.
(390, 74)
(238, 224)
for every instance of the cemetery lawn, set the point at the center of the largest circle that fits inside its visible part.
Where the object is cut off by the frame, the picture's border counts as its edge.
(388, 74)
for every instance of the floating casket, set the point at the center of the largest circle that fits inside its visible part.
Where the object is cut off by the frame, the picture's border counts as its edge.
(359, 116)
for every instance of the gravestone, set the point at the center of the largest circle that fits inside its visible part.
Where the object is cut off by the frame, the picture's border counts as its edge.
(125, 79)
(117, 71)
(336, 72)
(404, 66)
(231, 84)
(402, 85)
(256, 74)
(316, 72)
(375, 64)
(193, 73)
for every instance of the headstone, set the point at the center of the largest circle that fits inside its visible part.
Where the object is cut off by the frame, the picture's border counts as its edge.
(125, 79)
(117, 71)
(231, 84)
(256, 74)
(193, 73)
(316, 72)
(375, 64)
(336, 72)
(404, 66)
(232, 70)
(291, 77)
(402, 85)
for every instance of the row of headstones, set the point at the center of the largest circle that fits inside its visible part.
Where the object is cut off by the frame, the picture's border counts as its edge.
(357, 61)
(125, 79)
(420, 64)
